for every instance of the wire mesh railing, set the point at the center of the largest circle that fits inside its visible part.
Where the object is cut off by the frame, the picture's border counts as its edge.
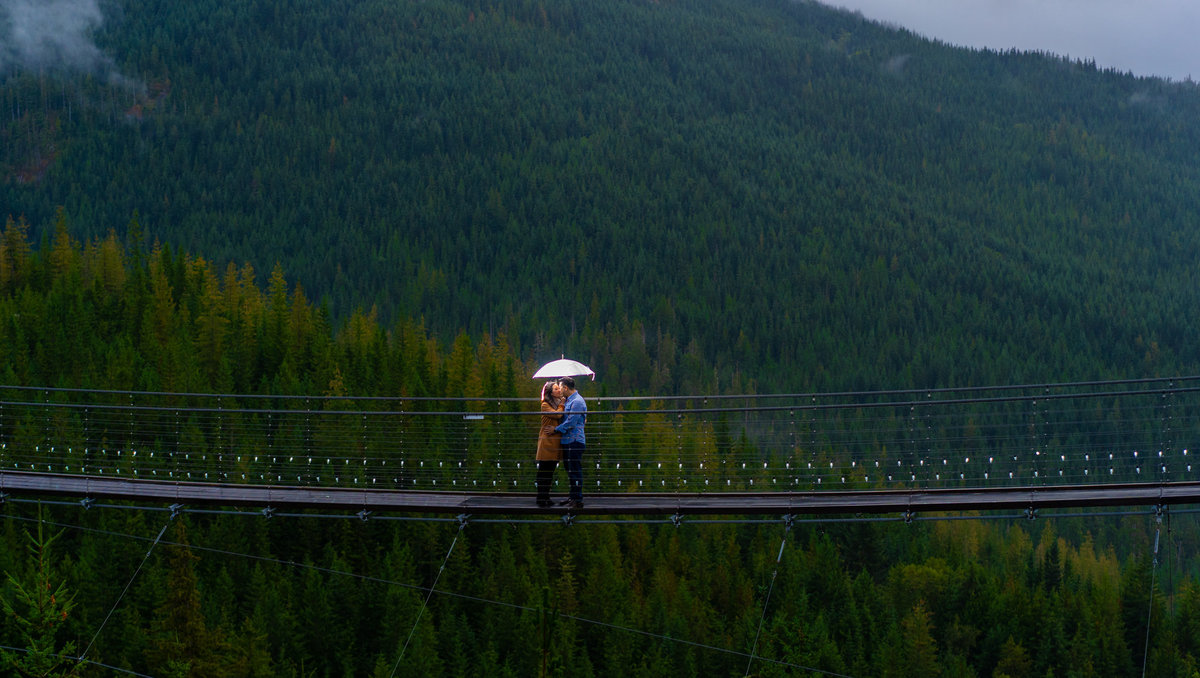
(1028, 435)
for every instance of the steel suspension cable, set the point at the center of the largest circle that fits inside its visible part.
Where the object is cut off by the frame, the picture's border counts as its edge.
(403, 398)
(1150, 595)
(766, 601)
(124, 591)
(117, 669)
(432, 588)
(812, 397)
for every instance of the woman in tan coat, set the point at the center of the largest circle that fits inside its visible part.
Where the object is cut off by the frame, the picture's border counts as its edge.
(549, 448)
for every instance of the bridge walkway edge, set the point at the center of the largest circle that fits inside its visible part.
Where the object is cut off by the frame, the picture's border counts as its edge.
(191, 493)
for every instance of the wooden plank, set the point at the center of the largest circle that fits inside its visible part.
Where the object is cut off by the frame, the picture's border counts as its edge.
(189, 493)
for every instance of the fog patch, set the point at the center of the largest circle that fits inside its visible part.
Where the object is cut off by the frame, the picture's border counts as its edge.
(896, 64)
(55, 35)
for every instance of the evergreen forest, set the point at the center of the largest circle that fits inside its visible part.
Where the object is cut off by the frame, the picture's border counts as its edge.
(688, 195)
(692, 196)
(142, 590)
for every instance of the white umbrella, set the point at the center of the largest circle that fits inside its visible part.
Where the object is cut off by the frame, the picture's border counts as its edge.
(564, 368)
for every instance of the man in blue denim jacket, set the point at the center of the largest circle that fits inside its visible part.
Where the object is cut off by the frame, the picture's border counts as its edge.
(573, 440)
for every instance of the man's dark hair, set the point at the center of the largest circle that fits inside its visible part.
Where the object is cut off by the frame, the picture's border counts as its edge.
(567, 382)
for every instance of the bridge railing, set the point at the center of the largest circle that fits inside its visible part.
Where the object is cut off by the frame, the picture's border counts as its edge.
(1029, 435)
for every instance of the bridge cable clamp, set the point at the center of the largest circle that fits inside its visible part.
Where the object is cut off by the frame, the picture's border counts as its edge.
(463, 519)
(1031, 513)
(568, 519)
(363, 515)
(677, 519)
(86, 502)
(1159, 509)
(908, 516)
(269, 512)
(788, 520)
(3, 497)
(176, 509)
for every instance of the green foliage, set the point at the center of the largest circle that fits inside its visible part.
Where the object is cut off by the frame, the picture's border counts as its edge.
(701, 196)
(38, 604)
(181, 641)
(324, 597)
(99, 314)
(710, 195)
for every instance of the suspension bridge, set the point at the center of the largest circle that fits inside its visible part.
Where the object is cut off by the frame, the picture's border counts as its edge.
(833, 456)
(1100, 443)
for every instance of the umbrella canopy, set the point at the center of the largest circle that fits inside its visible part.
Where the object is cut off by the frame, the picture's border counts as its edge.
(564, 368)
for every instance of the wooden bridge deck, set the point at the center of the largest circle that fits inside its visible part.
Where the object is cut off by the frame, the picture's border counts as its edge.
(641, 503)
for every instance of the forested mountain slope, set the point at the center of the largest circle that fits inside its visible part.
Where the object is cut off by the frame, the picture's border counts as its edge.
(691, 195)
(139, 589)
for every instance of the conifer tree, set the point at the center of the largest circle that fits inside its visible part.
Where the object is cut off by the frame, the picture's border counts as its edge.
(182, 644)
(918, 648)
(40, 605)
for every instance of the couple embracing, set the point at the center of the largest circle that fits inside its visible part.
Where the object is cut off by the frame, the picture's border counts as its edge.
(561, 438)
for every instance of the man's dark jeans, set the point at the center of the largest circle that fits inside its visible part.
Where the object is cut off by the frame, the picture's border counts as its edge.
(573, 453)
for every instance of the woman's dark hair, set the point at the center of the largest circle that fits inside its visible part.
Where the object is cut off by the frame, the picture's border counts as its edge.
(548, 392)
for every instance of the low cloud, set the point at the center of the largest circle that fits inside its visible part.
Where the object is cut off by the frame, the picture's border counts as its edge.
(1145, 98)
(896, 64)
(54, 35)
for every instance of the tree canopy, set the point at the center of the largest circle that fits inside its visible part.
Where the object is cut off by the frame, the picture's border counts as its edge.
(687, 193)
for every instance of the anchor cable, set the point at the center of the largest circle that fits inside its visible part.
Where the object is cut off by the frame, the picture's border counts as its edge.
(124, 591)
(761, 619)
(432, 588)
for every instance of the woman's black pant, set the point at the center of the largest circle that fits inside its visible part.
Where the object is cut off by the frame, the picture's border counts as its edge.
(545, 476)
